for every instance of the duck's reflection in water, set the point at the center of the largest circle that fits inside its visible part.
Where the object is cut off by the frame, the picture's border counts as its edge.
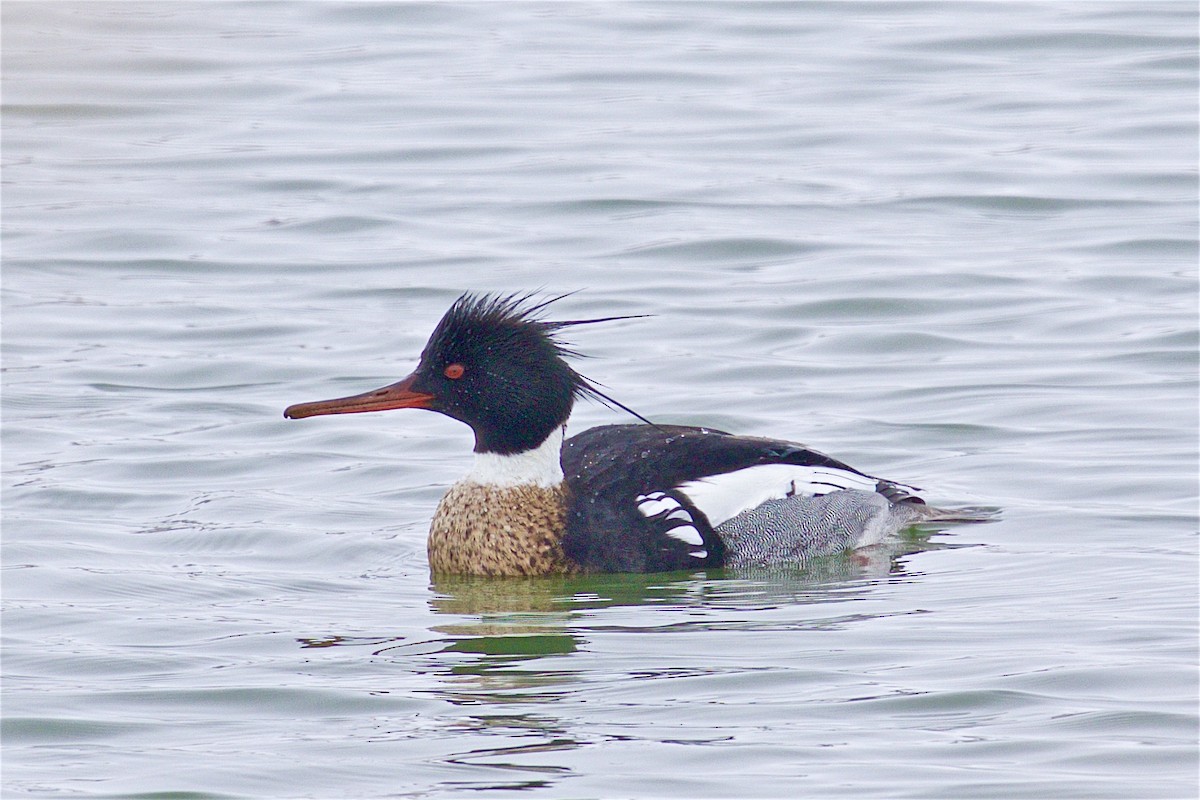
(516, 656)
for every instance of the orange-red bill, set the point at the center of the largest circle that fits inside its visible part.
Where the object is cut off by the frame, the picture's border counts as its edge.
(396, 395)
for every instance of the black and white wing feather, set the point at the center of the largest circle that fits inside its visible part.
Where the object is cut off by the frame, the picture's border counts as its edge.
(655, 498)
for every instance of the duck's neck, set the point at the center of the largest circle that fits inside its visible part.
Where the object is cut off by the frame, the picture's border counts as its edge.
(506, 516)
(537, 467)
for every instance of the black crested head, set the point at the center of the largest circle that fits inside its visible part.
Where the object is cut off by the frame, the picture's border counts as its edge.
(495, 364)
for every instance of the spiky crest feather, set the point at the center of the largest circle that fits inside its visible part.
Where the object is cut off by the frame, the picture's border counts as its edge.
(518, 314)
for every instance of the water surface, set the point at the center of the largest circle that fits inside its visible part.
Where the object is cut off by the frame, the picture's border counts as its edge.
(954, 245)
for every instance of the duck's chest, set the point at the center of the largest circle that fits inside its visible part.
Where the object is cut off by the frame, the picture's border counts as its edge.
(499, 530)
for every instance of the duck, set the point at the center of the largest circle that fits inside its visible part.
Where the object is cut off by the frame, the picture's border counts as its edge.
(635, 497)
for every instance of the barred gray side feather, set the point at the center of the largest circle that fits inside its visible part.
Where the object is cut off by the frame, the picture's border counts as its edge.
(795, 529)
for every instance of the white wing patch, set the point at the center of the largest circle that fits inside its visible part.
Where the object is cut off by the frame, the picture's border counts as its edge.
(722, 497)
(679, 520)
(650, 505)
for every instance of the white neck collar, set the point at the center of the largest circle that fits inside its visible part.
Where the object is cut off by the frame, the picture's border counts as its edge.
(540, 466)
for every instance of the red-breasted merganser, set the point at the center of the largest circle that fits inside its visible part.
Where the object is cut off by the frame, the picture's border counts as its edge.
(617, 498)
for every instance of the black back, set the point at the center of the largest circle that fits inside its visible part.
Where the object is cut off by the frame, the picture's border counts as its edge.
(608, 467)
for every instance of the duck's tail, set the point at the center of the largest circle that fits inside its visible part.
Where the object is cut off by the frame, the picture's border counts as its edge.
(906, 503)
(961, 514)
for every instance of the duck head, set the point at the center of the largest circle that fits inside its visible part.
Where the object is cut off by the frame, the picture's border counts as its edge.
(491, 362)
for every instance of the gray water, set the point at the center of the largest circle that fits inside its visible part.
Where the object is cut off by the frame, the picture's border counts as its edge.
(954, 245)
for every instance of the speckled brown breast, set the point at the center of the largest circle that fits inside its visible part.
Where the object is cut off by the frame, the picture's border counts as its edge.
(488, 530)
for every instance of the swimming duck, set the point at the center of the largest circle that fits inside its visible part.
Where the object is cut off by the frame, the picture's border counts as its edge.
(616, 498)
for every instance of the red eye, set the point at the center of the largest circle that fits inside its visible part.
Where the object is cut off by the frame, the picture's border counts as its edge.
(454, 371)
